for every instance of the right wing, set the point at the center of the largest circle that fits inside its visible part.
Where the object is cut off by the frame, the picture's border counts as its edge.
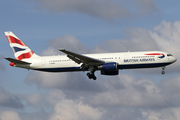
(17, 61)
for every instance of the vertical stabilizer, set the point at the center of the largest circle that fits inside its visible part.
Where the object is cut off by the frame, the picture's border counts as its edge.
(21, 51)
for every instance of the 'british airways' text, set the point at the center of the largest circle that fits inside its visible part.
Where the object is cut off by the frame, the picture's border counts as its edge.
(139, 60)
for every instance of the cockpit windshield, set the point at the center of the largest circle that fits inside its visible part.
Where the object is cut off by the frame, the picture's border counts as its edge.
(169, 55)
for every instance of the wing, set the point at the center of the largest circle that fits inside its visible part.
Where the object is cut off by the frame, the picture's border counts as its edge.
(17, 61)
(78, 58)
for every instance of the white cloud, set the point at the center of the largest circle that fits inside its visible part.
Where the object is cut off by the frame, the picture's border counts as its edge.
(34, 99)
(63, 108)
(77, 81)
(9, 100)
(163, 114)
(68, 42)
(167, 36)
(73, 110)
(48, 99)
(138, 93)
(126, 97)
(136, 39)
(172, 86)
(123, 90)
(9, 115)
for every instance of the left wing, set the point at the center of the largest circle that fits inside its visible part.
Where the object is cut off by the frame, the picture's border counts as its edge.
(78, 58)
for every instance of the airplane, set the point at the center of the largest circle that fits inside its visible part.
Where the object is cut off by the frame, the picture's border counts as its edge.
(107, 63)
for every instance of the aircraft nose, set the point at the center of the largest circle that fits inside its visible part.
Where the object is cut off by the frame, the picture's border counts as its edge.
(174, 59)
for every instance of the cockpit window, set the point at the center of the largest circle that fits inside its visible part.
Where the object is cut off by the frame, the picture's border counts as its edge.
(169, 54)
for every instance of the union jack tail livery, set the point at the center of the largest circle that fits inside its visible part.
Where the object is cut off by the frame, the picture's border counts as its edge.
(21, 51)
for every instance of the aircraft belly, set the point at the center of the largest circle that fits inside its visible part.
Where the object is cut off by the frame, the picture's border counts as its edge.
(142, 65)
(59, 69)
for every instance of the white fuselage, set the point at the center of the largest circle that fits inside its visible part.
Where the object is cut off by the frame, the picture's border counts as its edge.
(125, 60)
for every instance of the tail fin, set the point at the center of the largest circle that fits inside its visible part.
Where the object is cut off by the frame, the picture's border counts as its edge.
(21, 51)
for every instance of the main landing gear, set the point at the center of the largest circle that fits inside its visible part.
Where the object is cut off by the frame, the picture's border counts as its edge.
(91, 74)
(163, 68)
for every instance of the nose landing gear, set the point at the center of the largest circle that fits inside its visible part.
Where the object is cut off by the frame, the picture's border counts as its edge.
(163, 70)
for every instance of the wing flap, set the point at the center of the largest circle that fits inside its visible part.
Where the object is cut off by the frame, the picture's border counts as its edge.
(17, 61)
(78, 58)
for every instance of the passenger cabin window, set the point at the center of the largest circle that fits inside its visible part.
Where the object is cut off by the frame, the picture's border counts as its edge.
(169, 55)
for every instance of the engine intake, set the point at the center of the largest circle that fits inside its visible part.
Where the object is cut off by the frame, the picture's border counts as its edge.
(109, 69)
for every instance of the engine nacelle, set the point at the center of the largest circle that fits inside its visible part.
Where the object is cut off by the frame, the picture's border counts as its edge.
(109, 68)
(112, 66)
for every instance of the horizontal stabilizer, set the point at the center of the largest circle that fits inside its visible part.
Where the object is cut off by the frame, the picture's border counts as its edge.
(17, 61)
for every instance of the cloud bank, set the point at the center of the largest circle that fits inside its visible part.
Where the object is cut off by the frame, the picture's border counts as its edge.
(124, 97)
(9, 115)
(107, 9)
(9, 100)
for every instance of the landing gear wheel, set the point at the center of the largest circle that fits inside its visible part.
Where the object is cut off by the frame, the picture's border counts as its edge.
(163, 68)
(91, 76)
(92, 70)
(88, 74)
(94, 77)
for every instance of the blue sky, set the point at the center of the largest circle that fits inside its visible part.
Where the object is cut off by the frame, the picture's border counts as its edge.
(88, 26)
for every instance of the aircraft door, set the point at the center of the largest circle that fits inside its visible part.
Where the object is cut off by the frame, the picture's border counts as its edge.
(43, 62)
(126, 56)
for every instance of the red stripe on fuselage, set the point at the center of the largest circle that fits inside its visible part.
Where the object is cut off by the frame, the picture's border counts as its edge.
(25, 55)
(155, 54)
(15, 40)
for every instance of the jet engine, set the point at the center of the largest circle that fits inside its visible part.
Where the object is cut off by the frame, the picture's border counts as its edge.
(109, 68)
